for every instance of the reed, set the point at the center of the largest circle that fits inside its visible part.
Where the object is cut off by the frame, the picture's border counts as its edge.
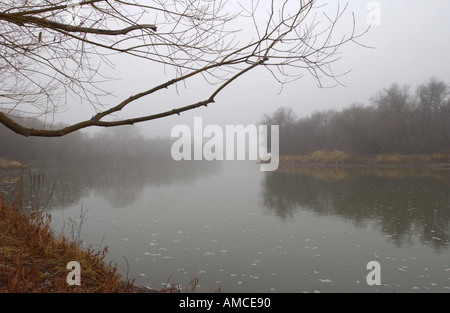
(33, 259)
(339, 157)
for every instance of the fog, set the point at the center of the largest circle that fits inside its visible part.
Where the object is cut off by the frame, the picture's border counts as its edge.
(364, 166)
(409, 46)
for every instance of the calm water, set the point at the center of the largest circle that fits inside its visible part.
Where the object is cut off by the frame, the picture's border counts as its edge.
(234, 227)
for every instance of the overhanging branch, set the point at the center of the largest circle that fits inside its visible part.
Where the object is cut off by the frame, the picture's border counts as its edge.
(96, 119)
(38, 21)
(44, 60)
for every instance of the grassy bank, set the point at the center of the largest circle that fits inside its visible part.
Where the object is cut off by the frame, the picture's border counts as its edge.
(8, 164)
(342, 158)
(33, 259)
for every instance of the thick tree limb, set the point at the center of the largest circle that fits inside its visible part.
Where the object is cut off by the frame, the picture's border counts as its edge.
(96, 119)
(45, 23)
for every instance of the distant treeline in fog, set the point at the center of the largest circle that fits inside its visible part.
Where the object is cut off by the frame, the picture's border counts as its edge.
(112, 145)
(398, 120)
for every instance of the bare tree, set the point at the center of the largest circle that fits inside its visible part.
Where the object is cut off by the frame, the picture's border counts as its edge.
(432, 98)
(433, 95)
(51, 50)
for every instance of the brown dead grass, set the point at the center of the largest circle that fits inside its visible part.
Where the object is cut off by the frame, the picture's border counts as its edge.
(339, 157)
(7, 164)
(33, 259)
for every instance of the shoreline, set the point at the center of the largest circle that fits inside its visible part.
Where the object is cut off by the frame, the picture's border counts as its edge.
(387, 161)
(440, 166)
(34, 260)
(6, 164)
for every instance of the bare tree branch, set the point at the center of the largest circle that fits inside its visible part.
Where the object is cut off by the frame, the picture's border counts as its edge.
(49, 53)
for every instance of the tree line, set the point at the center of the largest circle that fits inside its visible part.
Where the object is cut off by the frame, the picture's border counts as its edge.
(396, 121)
(117, 145)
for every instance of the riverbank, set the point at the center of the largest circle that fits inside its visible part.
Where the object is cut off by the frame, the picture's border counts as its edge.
(33, 259)
(8, 164)
(342, 159)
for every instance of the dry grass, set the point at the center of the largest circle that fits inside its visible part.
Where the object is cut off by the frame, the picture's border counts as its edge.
(320, 157)
(33, 259)
(339, 157)
(7, 164)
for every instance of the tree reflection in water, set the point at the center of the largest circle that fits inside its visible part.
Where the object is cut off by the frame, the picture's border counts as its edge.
(405, 204)
(119, 185)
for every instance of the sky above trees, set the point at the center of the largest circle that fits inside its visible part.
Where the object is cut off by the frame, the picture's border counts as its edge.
(409, 46)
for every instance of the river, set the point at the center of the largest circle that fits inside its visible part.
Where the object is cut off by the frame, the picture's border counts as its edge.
(239, 229)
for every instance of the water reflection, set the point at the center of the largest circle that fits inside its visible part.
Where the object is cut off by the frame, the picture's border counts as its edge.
(118, 185)
(205, 220)
(406, 205)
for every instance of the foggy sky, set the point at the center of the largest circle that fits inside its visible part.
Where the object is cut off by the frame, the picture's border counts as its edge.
(411, 45)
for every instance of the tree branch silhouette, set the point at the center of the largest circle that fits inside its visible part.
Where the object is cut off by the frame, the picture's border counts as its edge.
(46, 57)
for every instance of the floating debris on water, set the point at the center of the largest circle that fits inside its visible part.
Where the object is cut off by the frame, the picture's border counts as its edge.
(152, 254)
